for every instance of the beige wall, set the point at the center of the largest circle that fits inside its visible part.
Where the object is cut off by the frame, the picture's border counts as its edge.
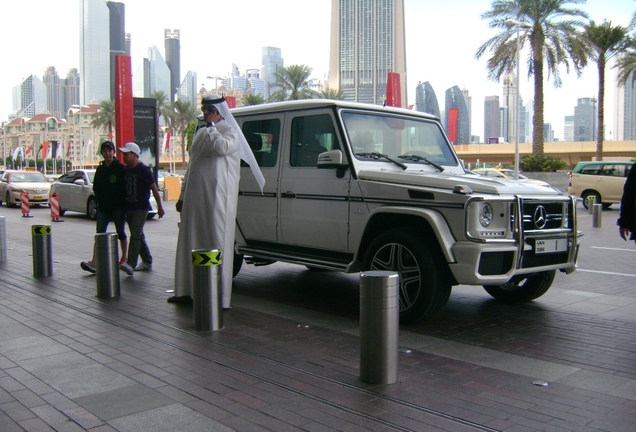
(570, 152)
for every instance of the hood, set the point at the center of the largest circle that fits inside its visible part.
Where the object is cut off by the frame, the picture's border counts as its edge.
(449, 181)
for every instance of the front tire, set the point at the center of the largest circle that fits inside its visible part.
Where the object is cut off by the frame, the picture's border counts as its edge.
(237, 264)
(424, 283)
(8, 201)
(91, 208)
(586, 198)
(522, 288)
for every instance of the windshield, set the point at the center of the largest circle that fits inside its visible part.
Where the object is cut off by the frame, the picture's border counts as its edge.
(91, 175)
(34, 177)
(397, 138)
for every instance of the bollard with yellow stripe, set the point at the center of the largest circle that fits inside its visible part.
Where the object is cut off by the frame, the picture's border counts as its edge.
(42, 254)
(206, 290)
(206, 258)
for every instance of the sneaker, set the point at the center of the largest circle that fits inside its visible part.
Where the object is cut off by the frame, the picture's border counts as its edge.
(143, 267)
(88, 266)
(126, 268)
(180, 299)
(122, 260)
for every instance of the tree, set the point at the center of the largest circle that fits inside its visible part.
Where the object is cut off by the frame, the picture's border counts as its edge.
(105, 117)
(252, 99)
(331, 94)
(164, 108)
(605, 41)
(183, 114)
(293, 83)
(554, 41)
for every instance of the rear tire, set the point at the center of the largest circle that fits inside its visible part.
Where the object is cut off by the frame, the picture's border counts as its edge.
(8, 201)
(424, 283)
(91, 208)
(237, 264)
(522, 288)
(586, 198)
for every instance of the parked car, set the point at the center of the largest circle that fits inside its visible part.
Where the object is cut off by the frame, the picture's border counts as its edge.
(508, 174)
(14, 182)
(601, 181)
(356, 187)
(75, 193)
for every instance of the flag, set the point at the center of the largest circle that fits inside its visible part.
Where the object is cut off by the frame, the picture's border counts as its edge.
(29, 150)
(56, 149)
(19, 150)
(166, 141)
(45, 150)
(87, 147)
(68, 149)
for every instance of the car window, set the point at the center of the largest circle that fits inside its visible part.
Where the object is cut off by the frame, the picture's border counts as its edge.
(310, 136)
(591, 169)
(68, 177)
(262, 137)
(34, 177)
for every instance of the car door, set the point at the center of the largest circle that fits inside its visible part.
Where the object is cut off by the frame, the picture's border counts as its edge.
(612, 180)
(257, 217)
(314, 202)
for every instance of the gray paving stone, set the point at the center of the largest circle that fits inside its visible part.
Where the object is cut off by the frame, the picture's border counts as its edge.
(175, 417)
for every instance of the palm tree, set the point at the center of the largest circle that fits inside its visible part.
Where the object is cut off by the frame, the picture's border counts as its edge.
(554, 41)
(183, 113)
(293, 83)
(105, 117)
(605, 41)
(164, 108)
(331, 93)
(252, 99)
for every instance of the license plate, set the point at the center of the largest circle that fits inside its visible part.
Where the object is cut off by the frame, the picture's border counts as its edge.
(37, 197)
(550, 246)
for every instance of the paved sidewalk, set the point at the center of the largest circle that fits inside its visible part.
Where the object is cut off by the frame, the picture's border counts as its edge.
(288, 356)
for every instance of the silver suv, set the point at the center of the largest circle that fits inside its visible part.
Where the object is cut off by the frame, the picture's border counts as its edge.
(353, 187)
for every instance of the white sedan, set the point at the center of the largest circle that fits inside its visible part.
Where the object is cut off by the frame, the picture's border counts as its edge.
(14, 182)
(75, 193)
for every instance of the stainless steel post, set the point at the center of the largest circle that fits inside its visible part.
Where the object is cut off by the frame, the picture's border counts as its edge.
(591, 200)
(42, 255)
(379, 327)
(107, 265)
(206, 290)
(596, 215)
(3, 239)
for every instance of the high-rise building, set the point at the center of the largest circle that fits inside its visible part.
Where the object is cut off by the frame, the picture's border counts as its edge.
(173, 59)
(367, 42)
(29, 97)
(568, 128)
(117, 38)
(54, 92)
(151, 75)
(188, 89)
(492, 127)
(509, 89)
(426, 100)
(503, 123)
(469, 105)
(272, 62)
(255, 83)
(94, 51)
(548, 132)
(625, 123)
(457, 121)
(585, 119)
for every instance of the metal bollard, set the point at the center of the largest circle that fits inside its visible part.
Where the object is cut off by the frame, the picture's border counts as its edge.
(206, 290)
(379, 327)
(3, 239)
(107, 265)
(596, 215)
(42, 255)
(591, 200)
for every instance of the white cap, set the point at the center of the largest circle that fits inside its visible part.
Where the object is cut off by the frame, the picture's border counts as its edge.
(130, 147)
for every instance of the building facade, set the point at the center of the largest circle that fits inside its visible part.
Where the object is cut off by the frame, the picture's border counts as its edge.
(426, 99)
(367, 42)
(492, 127)
(116, 38)
(457, 122)
(29, 97)
(585, 120)
(272, 61)
(188, 89)
(94, 51)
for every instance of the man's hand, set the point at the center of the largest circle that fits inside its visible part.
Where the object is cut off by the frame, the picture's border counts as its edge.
(179, 205)
(624, 233)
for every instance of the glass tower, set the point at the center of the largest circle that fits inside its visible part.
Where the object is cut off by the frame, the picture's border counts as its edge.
(426, 100)
(173, 59)
(367, 42)
(94, 51)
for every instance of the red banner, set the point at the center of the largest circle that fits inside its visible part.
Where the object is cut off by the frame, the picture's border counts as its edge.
(124, 124)
(453, 123)
(393, 93)
(231, 101)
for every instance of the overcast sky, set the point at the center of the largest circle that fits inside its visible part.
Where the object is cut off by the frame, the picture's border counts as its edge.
(441, 40)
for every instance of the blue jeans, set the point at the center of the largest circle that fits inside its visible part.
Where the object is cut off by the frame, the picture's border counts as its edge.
(138, 246)
(119, 219)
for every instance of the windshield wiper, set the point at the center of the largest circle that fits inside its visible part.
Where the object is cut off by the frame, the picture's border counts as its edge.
(418, 158)
(376, 155)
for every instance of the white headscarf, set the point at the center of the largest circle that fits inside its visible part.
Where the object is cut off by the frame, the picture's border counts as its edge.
(245, 151)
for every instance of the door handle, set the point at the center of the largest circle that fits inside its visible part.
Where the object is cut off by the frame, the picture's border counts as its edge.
(288, 195)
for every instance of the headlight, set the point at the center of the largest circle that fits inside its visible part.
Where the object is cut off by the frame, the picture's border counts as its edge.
(485, 215)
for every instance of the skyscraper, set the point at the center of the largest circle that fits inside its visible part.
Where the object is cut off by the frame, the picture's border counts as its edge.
(625, 124)
(426, 100)
(54, 93)
(173, 59)
(585, 120)
(492, 128)
(29, 97)
(188, 89)
(94, 51)
(117, 38)
(509, 89)
(568, 128)
(457, 121)
(367, 42)
(272, 62)
(151, 75)
(71, 89)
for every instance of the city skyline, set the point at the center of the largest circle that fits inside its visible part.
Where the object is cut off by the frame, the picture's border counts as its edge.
(446, 61)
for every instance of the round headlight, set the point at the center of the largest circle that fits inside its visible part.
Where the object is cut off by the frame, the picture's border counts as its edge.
(485, 214)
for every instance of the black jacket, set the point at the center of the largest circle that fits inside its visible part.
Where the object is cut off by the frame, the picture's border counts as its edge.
(627, 218)
(109, 186)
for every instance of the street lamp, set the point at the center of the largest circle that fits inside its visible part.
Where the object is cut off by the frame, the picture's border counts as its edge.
(525, 25)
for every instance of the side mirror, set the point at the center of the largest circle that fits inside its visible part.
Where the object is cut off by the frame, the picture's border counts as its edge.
(80, 182)
(333, 159)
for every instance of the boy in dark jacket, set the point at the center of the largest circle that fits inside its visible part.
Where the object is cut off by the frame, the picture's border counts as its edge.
(110, 193)
(627, 219)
